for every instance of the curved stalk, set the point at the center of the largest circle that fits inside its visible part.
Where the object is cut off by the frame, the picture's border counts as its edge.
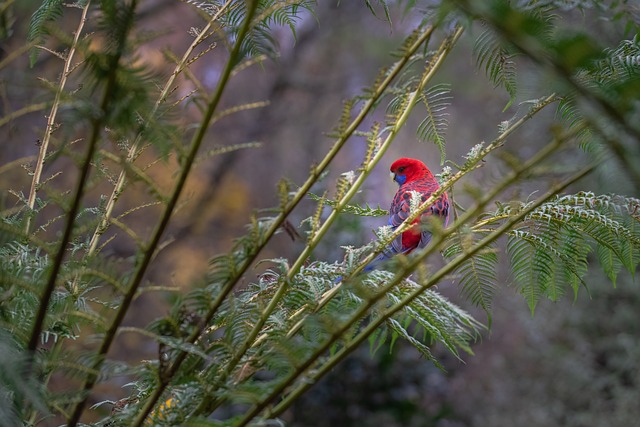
(51, 121)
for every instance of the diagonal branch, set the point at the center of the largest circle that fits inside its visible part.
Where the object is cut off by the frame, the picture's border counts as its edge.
(51, 121)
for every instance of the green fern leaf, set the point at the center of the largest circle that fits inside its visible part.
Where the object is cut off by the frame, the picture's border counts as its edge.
(571, 115)
(609, 261)
(436, 99)
(397, 328)
(497, 60)
(17, 382)
(261, 39)
(49, 10)
(384, 5)
(576, 249)
(377, 339)
(441, 320)
(477, 276)
(630, 248)
(210, 8)
(553, 268)
(399, 102)
(352, 209)
(521, 255)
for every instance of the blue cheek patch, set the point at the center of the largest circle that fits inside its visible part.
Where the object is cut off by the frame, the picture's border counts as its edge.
(400, 179)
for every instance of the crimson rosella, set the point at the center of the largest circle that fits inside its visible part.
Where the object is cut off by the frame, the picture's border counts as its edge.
(415, 180)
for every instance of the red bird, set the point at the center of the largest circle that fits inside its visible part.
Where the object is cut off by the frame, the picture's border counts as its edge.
(413, 177)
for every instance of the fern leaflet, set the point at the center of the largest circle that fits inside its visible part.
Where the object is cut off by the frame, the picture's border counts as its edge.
(436, 99)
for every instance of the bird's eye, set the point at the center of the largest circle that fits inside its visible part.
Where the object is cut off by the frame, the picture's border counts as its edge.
(401, 169)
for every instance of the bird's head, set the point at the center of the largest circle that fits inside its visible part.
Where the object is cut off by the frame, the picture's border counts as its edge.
(406, 170)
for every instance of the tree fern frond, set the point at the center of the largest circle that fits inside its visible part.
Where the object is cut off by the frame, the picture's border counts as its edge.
(436, 99)
(601, 226)
(365, 210)
(260, 40)
(609, 261)
(477, 276)
(576, 249)
(315, 220)
(210, 7)
(569, 112)
(378, 339)
(283, 13)
(526, 270)
(546, 262)
(373, 145)
(225, 149)
(616, 75)
(559, 236)
(629, 247)
(612, 77)
(497, 60)
(461, 327)
(621, 62)
(240, 318)
(384, 5)
(408, 42)
(345, 118)
(441, 320)
(398, 329)
(399, 102)
(49, 10)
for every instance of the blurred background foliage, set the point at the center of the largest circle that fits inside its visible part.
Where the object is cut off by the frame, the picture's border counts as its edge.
(573, 364)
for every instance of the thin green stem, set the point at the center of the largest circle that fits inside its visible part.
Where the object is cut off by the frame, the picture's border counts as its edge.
(31, 108)
(42, 153)
(51, 121)
(15, 54)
